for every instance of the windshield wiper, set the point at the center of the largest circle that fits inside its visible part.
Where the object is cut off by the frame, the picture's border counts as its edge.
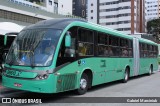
(32, 57)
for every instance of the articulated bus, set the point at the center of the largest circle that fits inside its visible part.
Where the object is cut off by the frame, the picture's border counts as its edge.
(71, 54)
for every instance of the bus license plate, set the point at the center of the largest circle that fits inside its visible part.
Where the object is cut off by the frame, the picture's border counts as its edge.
(17, 85)
(13, 73)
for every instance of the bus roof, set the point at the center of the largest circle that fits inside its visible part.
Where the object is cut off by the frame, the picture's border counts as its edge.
(147, 41)
(62, 23)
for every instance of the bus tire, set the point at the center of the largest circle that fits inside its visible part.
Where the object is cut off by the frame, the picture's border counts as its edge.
(150, 70)
(126, 76)
(84, 84)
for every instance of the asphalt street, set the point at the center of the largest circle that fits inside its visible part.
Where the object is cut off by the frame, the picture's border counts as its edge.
(141, 86)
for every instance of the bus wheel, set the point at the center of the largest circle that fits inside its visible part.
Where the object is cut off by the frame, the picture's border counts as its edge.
(150, 70)
(84, 81)
(126, 75)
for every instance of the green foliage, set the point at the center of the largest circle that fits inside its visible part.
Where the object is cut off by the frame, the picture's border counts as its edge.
(153, 27)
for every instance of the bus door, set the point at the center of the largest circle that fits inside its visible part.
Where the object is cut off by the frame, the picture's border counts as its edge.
(136, 56)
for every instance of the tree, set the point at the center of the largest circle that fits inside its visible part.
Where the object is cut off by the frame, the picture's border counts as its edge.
(153, 27)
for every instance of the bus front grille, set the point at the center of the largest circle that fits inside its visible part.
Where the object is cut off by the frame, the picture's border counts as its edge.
(66, 82)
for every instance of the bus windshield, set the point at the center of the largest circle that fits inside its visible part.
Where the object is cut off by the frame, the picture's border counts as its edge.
(35, 47)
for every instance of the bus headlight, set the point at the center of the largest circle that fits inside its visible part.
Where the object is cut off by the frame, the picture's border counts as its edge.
(41, 77)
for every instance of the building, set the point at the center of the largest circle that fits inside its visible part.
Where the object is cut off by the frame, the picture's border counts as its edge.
(93, 8)
(65, 7)
(24, 13)
(123, 15)
(159, 7)
(152, 9)
(80, 8)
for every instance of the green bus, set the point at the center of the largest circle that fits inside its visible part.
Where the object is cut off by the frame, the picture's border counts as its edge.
(159, 53)
(71, 54)
(5, 43)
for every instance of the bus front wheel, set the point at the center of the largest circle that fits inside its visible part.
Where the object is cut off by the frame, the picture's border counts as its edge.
(84, 81)
(126, 76)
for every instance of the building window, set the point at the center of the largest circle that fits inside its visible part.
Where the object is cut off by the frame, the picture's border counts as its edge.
(92, 4)
(91, 17)
(50, 2)
(55, 4)
(91, 11)
(83, 2)
(83, 13)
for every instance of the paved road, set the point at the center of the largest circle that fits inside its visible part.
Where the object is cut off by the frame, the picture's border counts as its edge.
(141, 86)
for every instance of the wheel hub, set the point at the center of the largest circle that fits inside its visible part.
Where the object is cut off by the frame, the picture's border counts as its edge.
(126, 76)
(83, 83)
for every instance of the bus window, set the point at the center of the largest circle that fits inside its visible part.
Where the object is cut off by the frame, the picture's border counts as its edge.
(1, 47)
(30, 45)
(150, 50)
(114, 45)
(113, 41)
(130, 49)
(103, 44)
(85, 42)
(67, 54)
(102, 38)
(125, 47)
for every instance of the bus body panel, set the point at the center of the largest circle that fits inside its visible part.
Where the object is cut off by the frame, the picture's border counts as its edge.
(136, 56)
(103, 69)
(43, 86)
(145, 65)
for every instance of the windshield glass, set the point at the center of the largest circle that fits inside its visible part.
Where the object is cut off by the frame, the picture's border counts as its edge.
(34, 47)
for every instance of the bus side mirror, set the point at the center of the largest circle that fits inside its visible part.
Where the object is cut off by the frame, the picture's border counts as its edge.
(68, 40)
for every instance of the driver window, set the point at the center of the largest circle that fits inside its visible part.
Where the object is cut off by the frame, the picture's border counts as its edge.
(68, 54)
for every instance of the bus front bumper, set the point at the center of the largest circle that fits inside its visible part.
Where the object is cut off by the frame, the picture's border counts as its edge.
(41, 86)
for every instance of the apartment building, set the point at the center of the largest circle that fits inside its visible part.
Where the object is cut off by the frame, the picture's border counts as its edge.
(24, 13)
(124, 15)
(80, 8)
(152, 9)
(159, 7)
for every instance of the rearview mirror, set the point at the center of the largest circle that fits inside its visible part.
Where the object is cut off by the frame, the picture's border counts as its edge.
(68, 40)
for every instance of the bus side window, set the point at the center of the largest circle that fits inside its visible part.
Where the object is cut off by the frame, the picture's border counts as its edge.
(82, 49)
(67, 54)
(85, 42)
